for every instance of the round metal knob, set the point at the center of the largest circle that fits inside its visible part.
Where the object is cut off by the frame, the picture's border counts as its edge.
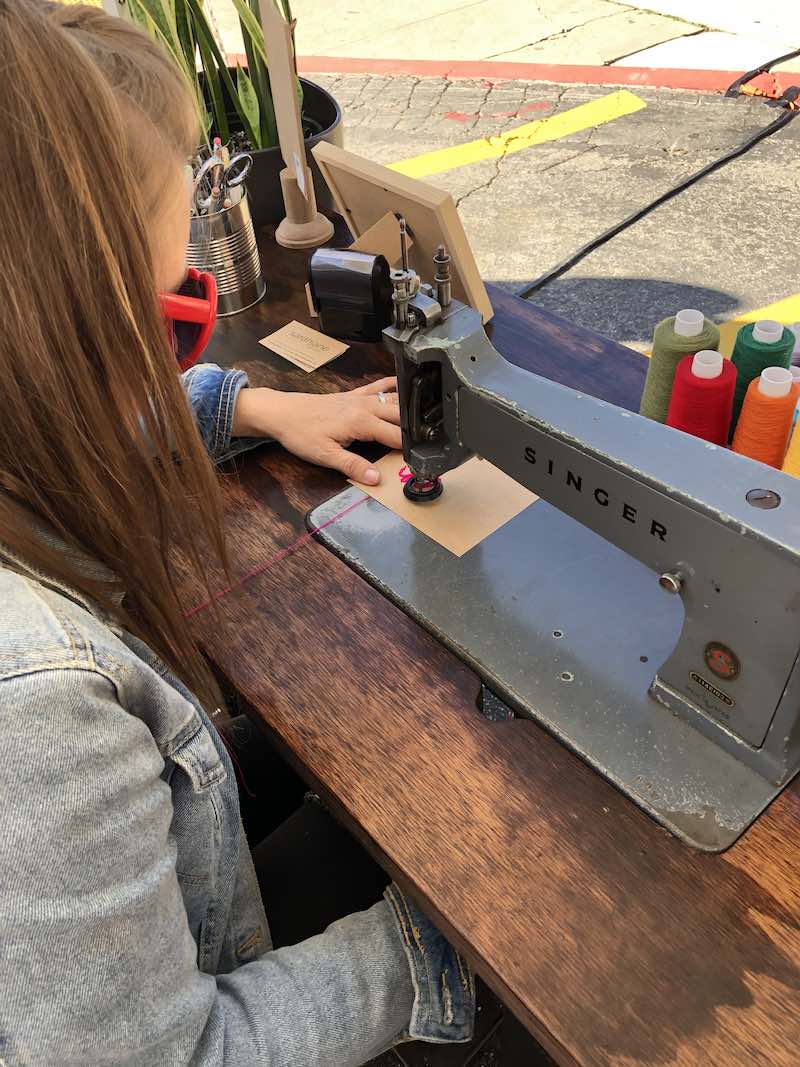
(672, 583)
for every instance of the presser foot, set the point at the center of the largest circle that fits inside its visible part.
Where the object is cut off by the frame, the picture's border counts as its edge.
(421, 491)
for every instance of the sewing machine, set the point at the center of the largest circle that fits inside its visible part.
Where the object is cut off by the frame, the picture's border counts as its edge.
(645, 610)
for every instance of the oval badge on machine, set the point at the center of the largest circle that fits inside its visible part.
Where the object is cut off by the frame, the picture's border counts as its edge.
(722, 660)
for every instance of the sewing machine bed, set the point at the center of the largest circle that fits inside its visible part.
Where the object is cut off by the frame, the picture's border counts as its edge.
(569, 631)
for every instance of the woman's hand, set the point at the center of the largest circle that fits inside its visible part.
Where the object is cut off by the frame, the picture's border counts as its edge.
(318, 427)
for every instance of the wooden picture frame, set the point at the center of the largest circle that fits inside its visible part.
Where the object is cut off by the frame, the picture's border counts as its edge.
(364, 192)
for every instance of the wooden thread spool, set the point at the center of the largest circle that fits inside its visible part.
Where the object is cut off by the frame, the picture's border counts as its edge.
(765, 423)
(702, 397)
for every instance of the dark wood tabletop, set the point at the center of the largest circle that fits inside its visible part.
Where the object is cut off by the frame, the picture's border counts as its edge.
(612, 941)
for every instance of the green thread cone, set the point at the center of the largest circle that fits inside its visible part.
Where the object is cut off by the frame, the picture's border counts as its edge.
(751, 357)
(669, 348)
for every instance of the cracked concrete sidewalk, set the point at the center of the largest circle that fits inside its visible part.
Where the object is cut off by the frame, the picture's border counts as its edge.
(716, 34)
(726, 245)
(547, 31)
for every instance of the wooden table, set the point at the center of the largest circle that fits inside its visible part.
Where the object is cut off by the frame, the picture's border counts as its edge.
(612, 941)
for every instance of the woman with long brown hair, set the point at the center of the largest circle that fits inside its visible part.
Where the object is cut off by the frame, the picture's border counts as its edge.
(132, 930)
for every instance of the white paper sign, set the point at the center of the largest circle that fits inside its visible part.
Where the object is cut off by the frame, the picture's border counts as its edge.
(300, 173)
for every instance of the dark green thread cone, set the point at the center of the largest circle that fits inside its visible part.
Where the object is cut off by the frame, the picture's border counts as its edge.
(751, 357)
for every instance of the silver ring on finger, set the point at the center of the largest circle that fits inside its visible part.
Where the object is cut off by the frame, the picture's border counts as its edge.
(381, 398)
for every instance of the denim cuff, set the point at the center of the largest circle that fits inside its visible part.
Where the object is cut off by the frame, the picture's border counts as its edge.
(212, 394)
(444, 987)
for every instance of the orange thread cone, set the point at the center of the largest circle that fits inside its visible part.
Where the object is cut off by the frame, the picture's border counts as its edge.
(764, 425)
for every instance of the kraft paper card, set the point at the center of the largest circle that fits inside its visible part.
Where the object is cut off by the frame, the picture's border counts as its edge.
(477, 500)
(311, 309)
(382, 239)
(306, 348)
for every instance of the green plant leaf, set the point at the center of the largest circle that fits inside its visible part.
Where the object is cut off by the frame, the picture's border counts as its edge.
(140, 12)
(260, 80)
(160, 28)
(162, 12)
(253, 34)
(189, 44)
(214, 86)
(150, 12)
(248, 98)
(205, 38)
(251, 29)
(186, 33)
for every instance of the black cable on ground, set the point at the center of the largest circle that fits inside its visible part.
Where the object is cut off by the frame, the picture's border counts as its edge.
(783, 120)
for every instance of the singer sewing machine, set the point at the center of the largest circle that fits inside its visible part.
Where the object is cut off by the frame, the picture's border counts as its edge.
(646, 610)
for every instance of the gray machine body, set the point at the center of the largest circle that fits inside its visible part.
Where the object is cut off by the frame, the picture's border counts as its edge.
(689, 703)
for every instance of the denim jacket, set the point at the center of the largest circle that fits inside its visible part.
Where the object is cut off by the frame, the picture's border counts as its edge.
(132, 930)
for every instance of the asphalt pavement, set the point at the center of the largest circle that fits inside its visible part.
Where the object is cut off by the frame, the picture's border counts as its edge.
(727, 246)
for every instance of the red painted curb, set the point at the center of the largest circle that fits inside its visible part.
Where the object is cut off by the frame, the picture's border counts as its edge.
(655, 77)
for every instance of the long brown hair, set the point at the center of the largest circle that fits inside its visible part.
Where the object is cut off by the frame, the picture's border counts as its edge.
(93, 411)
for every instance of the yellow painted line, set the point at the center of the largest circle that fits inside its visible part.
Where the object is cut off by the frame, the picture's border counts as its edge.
(595, 113)
(786, 311)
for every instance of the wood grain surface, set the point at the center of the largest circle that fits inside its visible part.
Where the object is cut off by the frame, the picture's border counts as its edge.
(613, 942)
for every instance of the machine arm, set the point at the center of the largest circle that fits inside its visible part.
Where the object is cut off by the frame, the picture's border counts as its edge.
(720, 530)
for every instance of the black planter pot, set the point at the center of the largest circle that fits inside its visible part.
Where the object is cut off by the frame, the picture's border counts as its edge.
(322, 121)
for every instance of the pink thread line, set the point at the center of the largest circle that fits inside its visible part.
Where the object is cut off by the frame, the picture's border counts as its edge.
(277, 558)
(236, 765)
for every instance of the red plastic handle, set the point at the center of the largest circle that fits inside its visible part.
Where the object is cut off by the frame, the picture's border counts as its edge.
(198, 310)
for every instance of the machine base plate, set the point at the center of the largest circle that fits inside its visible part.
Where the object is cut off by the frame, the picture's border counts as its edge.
(569, 631)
